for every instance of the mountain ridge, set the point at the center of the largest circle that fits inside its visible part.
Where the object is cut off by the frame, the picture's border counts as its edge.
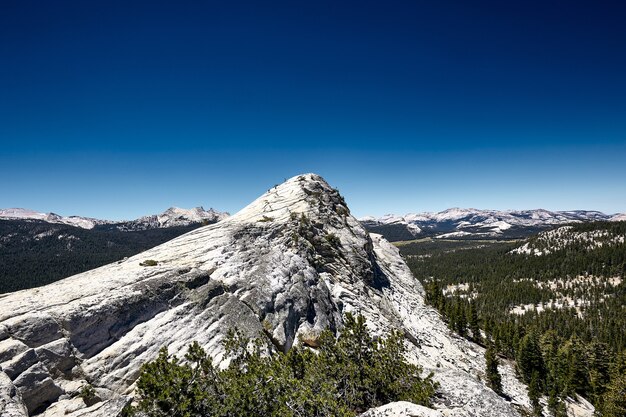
(173, 216)
(476, 223)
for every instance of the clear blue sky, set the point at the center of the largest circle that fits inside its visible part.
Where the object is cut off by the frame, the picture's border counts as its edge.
(119, 109)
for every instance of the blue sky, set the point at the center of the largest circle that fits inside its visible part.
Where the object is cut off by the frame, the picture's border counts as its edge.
(119, 109)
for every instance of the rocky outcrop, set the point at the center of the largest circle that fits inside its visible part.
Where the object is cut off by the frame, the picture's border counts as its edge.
(11, 403)
(287, 266)
(402, 409)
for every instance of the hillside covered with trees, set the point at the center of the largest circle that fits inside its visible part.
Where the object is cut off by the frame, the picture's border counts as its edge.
(557, 306)
(35, 253)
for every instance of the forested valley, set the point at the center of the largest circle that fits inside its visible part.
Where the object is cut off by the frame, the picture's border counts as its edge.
(554, 303)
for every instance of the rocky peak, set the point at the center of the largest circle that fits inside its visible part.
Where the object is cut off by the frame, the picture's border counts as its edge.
(287, 266)
(305, 194)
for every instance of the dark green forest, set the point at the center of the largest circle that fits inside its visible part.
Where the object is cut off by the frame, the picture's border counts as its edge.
(35, 253)
(574, 343)
(392, 232)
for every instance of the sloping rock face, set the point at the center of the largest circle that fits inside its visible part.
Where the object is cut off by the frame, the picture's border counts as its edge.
(288, 266)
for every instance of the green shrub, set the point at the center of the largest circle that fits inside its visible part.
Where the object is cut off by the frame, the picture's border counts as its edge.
(333, 239)
(149, 262)
(88, 394)
(349, 374)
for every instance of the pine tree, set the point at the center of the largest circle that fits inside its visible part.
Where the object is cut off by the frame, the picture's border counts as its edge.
(460, 325)
(573, 347)
(614, 400)
(615, 397)
(451, 313)
(473, 322)
(555, 405)
(434, 295)
(598, 365)
(529, 359)
(534, 392)
(493, 375)
(576, 377)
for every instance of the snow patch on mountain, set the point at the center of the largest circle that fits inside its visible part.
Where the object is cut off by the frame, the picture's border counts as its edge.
(174, 216)
(618, 218)
(26, 214)
(482, 223)
(498, 225)
(453, 235)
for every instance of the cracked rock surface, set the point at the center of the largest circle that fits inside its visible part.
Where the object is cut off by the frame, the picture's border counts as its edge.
(287, 266)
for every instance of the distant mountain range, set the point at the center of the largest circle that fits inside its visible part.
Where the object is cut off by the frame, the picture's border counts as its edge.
(453, 223)
(171, 217)
(458, 223)
(38, 248)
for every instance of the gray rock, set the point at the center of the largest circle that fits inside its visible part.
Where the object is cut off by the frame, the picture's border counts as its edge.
(10, 348)
(57, 356)
(33, 328)
(19, 363)
(109, 408)
(402, 409)
(3, 329)
(37, 388)
(11, 403)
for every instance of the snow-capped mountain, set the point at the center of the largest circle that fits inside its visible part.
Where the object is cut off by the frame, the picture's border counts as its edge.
(171, 217)
(26, 214)
(618, 218)
(288, 265)
(458, 222)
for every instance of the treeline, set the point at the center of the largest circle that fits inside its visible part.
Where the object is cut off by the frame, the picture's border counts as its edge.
(574, 343)
(35, 253)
